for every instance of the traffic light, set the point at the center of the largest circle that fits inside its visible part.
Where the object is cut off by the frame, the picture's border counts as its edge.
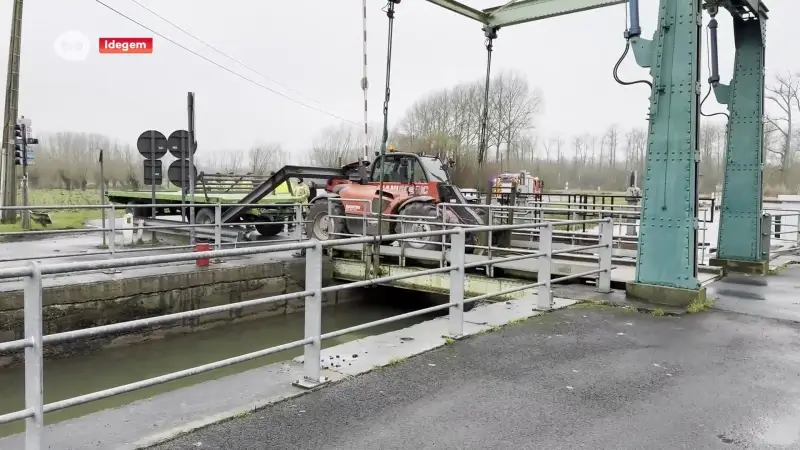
(19, 154)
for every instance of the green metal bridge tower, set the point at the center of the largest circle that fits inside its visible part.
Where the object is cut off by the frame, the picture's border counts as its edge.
(666, 270)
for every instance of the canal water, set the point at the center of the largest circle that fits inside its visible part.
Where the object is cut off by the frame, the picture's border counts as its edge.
(107, 368)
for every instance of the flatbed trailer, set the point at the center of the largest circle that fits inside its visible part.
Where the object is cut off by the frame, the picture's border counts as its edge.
(228, 190)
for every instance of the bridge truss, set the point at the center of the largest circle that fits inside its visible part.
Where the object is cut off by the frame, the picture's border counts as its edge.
(666, 260)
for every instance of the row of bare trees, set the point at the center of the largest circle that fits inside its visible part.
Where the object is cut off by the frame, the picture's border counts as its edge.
(69, 160)
(448, 122)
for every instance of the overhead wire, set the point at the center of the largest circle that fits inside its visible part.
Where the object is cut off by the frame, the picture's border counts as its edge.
(254, 82)
(220, 52)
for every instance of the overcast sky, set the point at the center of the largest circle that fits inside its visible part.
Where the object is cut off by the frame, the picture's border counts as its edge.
(314, 47)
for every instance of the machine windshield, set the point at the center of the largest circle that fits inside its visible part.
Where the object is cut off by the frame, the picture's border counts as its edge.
(434, 167)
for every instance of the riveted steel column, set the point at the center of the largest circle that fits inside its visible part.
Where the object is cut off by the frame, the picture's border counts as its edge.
(742, 192)
(666, 254)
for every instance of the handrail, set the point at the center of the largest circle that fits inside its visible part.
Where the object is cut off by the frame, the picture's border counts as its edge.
(456, 267)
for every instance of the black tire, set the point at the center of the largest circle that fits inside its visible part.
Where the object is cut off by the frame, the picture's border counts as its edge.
(416, 211)
(269, 229)
(204, 216)
(318, 225)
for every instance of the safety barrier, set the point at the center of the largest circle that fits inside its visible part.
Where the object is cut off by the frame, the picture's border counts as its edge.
(784, 232)
(456, 266)
(214, 231)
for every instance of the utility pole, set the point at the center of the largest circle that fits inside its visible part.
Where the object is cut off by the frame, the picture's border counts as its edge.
(9, 178)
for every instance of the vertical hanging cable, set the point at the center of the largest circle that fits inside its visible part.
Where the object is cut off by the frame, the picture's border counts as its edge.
(365, 88)
(390, 14)
(491, 35)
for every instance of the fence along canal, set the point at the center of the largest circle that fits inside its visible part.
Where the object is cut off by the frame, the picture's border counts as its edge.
(111, 367)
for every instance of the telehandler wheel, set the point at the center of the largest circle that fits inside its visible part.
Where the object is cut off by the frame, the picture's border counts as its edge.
(321, 227)
(421, 217)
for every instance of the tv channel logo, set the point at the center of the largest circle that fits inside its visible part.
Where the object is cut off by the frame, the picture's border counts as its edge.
(72, 46)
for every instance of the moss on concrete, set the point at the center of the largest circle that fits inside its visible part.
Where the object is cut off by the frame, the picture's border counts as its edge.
(737, 266)
(664, 295)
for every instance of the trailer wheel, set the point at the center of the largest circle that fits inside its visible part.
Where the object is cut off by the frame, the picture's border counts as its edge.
(319, 226)
(204, 216)
(270, 229)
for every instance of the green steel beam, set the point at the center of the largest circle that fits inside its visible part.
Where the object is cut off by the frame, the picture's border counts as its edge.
(523, 11)
(530, 10)
(668, 227)
(742, 193)
(464, 10)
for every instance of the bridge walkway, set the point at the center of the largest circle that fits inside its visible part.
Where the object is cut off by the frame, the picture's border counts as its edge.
(584, 377)
(562, 265)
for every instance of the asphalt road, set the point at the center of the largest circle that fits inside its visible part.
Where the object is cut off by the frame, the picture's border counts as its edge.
(581, 378)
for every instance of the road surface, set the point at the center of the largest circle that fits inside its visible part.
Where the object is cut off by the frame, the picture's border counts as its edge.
(581, 378)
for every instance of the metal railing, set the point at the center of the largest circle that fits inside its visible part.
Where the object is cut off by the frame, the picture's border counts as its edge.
(221, 235)
(784, 232)
(217, 233)
(456, 266)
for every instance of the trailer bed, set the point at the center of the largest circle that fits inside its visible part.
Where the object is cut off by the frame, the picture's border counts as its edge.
(199, 197)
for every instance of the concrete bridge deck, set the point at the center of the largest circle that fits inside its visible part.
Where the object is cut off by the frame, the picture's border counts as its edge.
(583, 377)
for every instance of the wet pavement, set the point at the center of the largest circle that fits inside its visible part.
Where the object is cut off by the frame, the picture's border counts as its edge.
(775, 296)
(594, 377)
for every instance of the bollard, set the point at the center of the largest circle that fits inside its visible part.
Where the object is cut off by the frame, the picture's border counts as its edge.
(127, 229)
(202, 247)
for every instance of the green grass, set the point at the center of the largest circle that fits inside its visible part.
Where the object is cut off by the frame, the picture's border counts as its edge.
(63, 219)
(700, 305)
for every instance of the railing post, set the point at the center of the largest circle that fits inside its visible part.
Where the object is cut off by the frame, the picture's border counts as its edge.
(313, 320)
(34, 359)
(490, 222)
(217, 226)
(544, 298)
(112, 225)
(298, 222)
(604, 256)
(458, 280)
(331, 221)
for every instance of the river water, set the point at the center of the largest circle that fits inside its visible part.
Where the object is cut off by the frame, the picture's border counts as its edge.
(107, 368)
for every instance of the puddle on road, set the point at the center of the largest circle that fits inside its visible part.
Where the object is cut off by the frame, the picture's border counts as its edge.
(782, 432)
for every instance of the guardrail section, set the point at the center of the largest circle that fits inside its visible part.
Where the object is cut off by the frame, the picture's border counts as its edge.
(455, 266)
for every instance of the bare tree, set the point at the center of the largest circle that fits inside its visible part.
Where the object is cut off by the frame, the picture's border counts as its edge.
(783, 94)
(265, 158)
(335, 146)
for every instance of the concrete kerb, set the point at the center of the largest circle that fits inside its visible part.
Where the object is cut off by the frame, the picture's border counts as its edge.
(150, 441)
(484, 318)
